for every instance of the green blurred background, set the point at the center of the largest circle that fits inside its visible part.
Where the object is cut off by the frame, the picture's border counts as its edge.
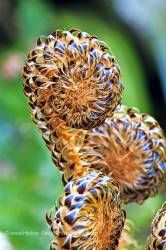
(29, 182)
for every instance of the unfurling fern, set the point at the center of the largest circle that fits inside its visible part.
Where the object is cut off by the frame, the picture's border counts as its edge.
(108, 155)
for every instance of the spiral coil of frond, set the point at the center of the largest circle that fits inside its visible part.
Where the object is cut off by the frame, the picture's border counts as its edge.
(71, 75)
(71, 81)
(90, 215)
(157, 238)
(130, 147)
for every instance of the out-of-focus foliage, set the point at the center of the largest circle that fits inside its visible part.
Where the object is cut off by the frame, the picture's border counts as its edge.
(29, 182)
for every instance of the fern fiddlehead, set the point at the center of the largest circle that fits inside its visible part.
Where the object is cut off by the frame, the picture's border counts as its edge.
(130, 147)
(71, 82)
(106, 155)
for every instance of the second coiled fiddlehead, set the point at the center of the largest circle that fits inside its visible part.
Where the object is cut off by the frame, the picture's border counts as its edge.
(131, 148)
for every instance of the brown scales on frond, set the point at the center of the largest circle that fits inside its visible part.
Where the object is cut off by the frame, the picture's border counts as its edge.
(90, 215)
(72, 82)
(157, 238)
(130, 147)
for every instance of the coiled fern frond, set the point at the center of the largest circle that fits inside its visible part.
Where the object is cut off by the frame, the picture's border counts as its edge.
(130, 147)
(71, 82)
(157, 238)
(90, 215)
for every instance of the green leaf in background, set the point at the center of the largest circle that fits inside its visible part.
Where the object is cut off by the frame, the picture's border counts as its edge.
(34, 18)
